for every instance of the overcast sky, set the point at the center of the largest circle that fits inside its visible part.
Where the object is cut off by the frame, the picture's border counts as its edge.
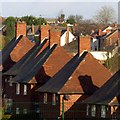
(52, 8)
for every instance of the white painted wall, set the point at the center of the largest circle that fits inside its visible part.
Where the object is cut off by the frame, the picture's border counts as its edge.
(63, 37)
(100, 55)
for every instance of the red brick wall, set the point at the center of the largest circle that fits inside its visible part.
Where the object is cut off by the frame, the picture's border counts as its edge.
(112, 39)
(20, 101)
(72, 107)
(44, 31)
(20, 29)
(55, 35)
(101, 32)
(85, 43)
(48, 110)
(67, 36)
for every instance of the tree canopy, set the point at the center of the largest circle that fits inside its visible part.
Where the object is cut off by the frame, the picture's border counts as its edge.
(74, 19)
(71, 19)
(105, 15)
(33, 20)
(10, 31)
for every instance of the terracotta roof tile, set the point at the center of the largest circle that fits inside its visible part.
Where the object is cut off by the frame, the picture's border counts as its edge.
(56, 61)
(23, 46)
(89, 73)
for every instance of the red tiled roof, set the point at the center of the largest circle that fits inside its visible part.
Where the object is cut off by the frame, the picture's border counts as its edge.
(23, 46)
(89, 73)
(56, 61)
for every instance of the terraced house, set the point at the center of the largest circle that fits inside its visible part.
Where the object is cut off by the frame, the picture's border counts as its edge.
(43, 78)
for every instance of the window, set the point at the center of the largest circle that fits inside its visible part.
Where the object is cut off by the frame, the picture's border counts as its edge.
(8, 105)
(53, 99)
(93, 110)
(24, 111)
(6, 80)
(37, 110)
(25, 90)
(17, 88)
(103, 111)
(45, 98)
(17, 111)
(10, 82)
(87, 110)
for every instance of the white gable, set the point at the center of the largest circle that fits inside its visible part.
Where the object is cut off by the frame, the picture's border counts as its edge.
(63, 37)
(108, 28)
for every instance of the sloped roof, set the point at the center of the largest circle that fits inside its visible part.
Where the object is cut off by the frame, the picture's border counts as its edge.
(23, 46)
(88, 77)
(38, 66)
(107, 92)
(60, 78)
(2, 27)
(28, 57)
(9, 48)
(33, 67)
(82, 79)
(56, 61)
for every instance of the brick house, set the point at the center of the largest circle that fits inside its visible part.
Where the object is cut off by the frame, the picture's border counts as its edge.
(102, 39)
(63, 34)
(111, 39)
(31, 59)
(105, 103)
(45, 63)
(19, 85)
(66, 90)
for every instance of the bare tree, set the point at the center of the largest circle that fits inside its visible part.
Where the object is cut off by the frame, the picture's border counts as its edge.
(105, 15)
(78, 18)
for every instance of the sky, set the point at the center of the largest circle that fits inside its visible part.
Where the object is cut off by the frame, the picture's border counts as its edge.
(51, 8)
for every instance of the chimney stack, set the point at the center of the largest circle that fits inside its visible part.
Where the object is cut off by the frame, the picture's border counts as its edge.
(67, 36)
(44, 31)
(84, 43)
(20, 28)
(55, 35)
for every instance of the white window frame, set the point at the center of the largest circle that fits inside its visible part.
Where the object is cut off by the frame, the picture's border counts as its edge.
(87, 110)
(10, 82)
(103, 111)
(93, 110)
(17, 88)
(17, 111)
(24, 111)
(45, 98)
(38, 110)
(25, 89)
(54, 99)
